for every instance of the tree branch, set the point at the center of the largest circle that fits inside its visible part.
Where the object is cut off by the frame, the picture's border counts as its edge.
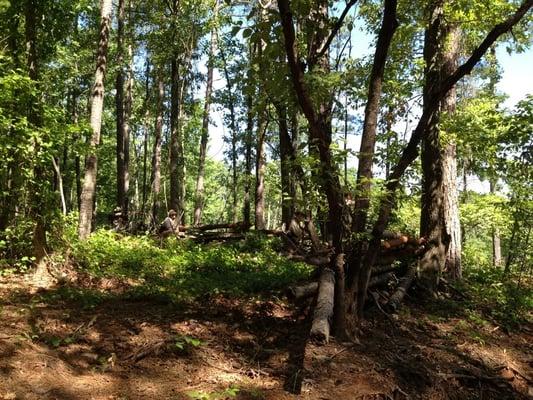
(333, 33)
(480, 51)
(297, 73)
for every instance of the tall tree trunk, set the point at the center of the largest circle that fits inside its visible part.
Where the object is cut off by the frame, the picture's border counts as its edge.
(368, 140)
(34, 117)
(358, 275)
(496, 242)
(432, 225)
(248, 157)
(260, 172)
(199, 195)
(233, 129)
(288, 188)
(449, 163)
(156, 154)
(119, 104)
(174, 137)
(97, 103)
(146, 138)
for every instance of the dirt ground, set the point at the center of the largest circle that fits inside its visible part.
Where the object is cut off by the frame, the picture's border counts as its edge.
(220, 348)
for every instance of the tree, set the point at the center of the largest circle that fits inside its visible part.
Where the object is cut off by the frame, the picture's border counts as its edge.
(97, 104)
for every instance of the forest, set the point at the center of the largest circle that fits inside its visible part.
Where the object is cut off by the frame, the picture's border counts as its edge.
(265, 199)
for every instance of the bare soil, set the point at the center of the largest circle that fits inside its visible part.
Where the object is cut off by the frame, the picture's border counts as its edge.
(222, 348)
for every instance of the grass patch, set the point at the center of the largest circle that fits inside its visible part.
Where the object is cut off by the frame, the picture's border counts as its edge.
(184, 270)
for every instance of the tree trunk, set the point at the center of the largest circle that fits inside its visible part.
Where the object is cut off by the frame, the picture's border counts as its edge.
(359, 274)
(432, 226)
(199, 195)
(177, 97)
(120, 112)
(248, 154)
(496, 242)
(38, 205)
(286, 148)
(368, 140)
(449, 163)
(156, 154)
(233, 128)
(97, 103)
(260, 172)
(146, 138)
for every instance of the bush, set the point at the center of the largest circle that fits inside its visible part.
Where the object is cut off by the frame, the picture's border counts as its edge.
(184, 269)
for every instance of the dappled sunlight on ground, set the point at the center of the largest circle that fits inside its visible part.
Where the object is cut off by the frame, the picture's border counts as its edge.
(246, 348)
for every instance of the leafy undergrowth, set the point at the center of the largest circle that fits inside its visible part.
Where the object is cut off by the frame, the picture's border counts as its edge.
(183, 270)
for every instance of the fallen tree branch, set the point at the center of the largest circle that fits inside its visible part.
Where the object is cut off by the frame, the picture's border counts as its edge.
(320, 327)
(400, 292)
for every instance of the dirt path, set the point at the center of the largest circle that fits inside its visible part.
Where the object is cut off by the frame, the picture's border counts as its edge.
(219, 348)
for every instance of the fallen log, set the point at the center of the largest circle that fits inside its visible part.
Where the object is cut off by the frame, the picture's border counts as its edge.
(296, 293)
(400, 292)
(320, 327)
(202, 228)
(392, 243)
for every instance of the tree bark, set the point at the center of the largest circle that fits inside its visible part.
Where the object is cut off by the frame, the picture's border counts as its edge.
(496, 242)
(452, 222)
(359, 274)
(320, 329)
(120, 112)
(38, 205)
(248, 149)
(260, 172)
(432, 226)
(156, 153)
(97, 103)
(174, 136)
(199, 195)
(286, 149)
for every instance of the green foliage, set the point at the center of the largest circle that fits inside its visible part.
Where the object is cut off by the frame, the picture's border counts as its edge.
(185, 343)
(228, 393)
(506, 298)
(183, 270)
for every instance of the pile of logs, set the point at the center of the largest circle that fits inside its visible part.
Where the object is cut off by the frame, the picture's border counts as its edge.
(391, 277)
(221, 232)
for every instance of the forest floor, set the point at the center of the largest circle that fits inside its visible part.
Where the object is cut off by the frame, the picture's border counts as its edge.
(61, 344)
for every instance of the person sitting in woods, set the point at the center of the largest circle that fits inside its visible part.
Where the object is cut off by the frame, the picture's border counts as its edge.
(118, 220)
(169, 226)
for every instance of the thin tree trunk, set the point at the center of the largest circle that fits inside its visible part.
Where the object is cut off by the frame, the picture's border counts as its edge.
(248, 156)
(89, 184)
(358, 275)
(287, 179)
(368, 140)
(233, 128)
(156, 154)
(146, 138)
(119, 105)
(260, 172)
(60, 186)
(496, 243)
(174, 136)
(199, 195)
